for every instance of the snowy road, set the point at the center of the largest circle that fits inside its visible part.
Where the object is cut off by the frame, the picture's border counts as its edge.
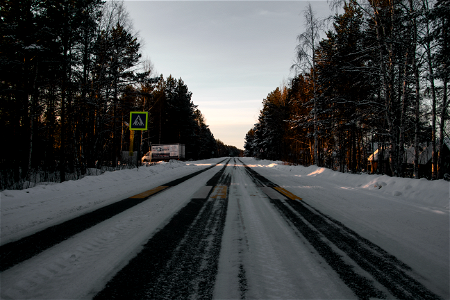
(242, 231)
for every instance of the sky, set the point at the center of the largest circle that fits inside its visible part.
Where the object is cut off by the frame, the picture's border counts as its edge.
(230, 54)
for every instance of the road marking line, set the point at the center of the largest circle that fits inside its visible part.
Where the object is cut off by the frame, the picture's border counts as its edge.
(149, 192)
(287, 193)
(220, 192)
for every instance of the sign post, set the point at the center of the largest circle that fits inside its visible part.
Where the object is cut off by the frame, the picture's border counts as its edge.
(131, 142)
(138, 121)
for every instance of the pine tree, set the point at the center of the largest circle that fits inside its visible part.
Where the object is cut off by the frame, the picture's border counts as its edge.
(440, 18)
(345, 85)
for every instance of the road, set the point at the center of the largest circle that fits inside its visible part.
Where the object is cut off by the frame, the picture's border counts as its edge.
(225, 232)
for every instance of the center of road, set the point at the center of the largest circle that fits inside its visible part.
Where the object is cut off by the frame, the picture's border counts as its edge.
(220, 192)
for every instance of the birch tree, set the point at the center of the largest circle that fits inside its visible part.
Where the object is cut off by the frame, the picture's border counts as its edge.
(306, 62)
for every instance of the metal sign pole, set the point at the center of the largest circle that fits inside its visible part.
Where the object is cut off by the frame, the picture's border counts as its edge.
(138, 157)
(131, 142)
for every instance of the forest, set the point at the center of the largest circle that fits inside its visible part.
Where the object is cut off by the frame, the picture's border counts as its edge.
(71, 72)
(370, 92)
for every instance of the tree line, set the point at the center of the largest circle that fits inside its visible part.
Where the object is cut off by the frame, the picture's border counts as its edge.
(71, 72)
(377, 81)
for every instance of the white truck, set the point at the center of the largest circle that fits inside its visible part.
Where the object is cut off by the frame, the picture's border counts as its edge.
(165, 152)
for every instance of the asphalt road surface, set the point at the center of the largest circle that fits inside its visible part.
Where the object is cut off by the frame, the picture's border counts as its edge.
(232, 233)
(182, 260)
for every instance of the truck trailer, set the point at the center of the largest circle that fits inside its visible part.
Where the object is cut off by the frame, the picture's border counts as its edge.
(165, 152)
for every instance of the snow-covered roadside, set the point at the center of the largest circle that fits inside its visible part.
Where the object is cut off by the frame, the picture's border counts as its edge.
(24, 212)
(422, 192)
(80, 266)
(408, 218)
(413, 226)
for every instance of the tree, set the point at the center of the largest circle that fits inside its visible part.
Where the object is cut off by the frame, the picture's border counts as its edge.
(227, 150)
(344, 76)
(18, 47)
(272, 119)
(174, 118)
(306, 61)
(41, 60)
(439, 15)
(249, 145)
(362, 88)
(300, 128)
(205, 141)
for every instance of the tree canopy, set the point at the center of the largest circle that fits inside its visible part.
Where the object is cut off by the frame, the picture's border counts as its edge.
(71, 72)
(376, 81)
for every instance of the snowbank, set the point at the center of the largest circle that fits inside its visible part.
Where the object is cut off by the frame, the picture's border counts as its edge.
(421, 192)
(24, 212)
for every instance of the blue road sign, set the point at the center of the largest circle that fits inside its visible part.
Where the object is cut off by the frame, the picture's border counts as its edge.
(138, 120)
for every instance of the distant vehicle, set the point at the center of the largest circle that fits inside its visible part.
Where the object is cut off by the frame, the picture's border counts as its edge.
(165, 152)
(147, 157)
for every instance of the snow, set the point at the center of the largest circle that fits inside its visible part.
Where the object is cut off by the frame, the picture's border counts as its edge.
(277, 266)
(422, 192)
(80, 266)
(408, 218)
(27, 211)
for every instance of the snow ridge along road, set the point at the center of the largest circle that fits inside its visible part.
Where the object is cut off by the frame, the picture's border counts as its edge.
(27, 247)
(337, 243)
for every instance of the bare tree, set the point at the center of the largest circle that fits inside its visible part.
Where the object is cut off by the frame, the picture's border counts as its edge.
(306, 61)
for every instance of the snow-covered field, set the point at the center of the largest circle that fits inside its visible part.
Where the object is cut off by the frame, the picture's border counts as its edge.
(406, 217)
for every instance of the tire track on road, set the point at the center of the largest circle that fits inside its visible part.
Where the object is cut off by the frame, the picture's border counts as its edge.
(180, 261)
(27, 247)
(231, 280)
(64, 264)
(324, 233)
(385, 268)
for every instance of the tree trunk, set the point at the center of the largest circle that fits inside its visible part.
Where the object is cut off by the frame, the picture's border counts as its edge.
(402, 117)
(33, 109)
(441, 131)
(387, 85)
(433, 98)
(445, 77)
(62, 158)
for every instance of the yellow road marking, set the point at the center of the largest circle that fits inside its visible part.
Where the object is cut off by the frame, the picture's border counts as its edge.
(149, 192)
(220, 192)
(287, 193)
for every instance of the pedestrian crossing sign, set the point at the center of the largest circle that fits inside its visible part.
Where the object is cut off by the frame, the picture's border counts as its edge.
(138, 120)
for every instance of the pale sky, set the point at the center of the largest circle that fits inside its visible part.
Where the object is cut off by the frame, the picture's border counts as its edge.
(230, 54)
